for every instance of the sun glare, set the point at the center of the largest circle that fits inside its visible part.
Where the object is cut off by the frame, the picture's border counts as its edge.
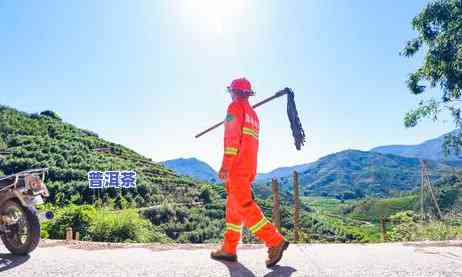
(213, 15)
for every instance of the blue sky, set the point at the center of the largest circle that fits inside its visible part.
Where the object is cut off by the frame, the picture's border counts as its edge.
(151, 74)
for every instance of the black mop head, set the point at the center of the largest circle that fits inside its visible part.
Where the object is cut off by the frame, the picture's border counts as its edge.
(297, 130)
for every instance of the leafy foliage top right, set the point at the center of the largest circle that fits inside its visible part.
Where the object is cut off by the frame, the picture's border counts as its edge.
(439, 28)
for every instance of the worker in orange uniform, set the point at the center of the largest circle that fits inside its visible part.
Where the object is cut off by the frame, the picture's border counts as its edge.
(238, 171)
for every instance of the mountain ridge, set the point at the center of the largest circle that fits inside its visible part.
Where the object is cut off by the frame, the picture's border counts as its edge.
(354, 174)
(194, 168)
(430, 149)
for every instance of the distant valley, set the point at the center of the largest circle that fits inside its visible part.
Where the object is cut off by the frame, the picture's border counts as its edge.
(383, 171)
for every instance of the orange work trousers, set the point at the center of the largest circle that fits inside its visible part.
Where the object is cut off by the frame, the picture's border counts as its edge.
(242, 209)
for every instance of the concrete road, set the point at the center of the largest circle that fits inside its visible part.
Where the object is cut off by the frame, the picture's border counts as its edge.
(78, 259)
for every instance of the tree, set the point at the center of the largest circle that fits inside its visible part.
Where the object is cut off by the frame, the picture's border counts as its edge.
(439, 28)
(51, 114)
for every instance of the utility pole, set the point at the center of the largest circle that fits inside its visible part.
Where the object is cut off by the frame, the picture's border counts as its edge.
(296, 207)
(276, 217)
(426, 184)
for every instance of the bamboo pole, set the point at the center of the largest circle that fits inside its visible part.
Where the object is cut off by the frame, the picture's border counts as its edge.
(276, 95)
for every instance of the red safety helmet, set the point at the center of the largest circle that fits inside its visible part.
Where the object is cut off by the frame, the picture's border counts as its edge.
(242, 85)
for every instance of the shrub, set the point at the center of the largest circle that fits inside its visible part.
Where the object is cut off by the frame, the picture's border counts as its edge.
(123, 226)
(78, 217)
(408, 229)
(160, 214)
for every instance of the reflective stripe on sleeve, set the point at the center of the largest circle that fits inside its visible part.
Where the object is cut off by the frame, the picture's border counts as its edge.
(231, 151)
(250, 132)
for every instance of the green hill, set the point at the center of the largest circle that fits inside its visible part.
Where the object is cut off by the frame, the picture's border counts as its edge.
(355, 174)
(359, 219)
(448, 193)
(44, 140)
(178, 208)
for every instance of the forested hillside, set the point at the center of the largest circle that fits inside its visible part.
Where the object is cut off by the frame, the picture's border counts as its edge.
(162, 207)
(171, 202)
(353, 174)
(44, 140)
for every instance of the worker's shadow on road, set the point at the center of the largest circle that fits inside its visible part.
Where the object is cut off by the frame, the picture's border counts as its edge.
(237, 269)
(278, 270)
(9, 261)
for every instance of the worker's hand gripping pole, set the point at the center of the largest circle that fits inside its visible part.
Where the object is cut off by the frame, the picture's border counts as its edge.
(276, 95)
(295, 124)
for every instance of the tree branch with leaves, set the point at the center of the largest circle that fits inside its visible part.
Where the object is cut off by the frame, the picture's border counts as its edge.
(439, 28)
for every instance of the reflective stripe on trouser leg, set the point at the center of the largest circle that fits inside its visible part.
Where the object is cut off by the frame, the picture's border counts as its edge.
(232, 229)
(240, 194)
(260, 224)
(269, 234)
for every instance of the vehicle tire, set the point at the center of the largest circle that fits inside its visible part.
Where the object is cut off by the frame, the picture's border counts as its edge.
(16, 243)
